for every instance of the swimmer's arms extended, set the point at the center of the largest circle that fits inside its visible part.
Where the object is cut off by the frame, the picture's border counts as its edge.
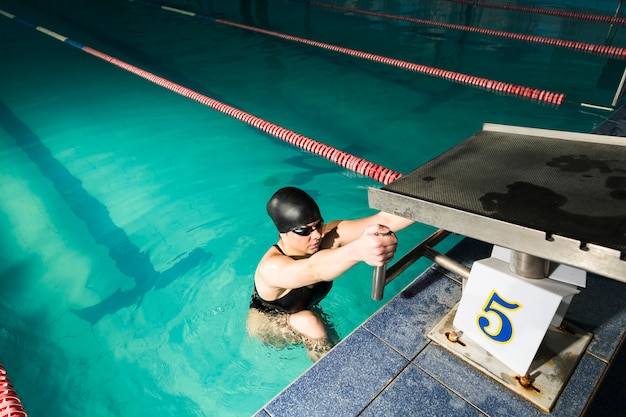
(375, 246)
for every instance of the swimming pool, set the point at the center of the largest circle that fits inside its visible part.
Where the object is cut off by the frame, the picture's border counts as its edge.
(132, 218)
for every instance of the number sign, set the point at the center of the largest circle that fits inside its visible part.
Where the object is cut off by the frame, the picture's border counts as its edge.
(508, 315)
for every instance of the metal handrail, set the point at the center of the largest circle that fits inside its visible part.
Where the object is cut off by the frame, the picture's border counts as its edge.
(383, 276)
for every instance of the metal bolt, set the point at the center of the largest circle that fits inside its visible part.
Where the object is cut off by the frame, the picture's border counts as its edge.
(526, 381)
(454, 338)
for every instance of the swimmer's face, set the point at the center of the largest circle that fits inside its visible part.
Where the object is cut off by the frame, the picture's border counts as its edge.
(308, 236)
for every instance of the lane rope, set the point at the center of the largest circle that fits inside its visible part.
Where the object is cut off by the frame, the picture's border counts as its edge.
(470, 80)
(10, 404)
(614, 20)
(339, 157)
(595, 49)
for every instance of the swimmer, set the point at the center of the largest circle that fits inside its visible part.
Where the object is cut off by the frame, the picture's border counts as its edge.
(297, 272)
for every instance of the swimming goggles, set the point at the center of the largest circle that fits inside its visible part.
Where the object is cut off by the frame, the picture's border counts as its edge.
(307, 230)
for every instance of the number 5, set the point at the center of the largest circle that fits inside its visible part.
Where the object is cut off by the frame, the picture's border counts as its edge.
(502, 331)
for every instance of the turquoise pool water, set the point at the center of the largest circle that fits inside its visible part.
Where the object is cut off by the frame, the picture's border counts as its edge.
(131, 218)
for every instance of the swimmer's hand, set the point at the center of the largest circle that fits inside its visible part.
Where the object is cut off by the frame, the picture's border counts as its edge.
(378, 244)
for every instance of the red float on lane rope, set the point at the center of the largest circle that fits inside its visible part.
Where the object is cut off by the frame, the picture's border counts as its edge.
(10, 404)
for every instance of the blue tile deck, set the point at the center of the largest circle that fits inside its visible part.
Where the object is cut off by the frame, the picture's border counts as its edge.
(388, 366)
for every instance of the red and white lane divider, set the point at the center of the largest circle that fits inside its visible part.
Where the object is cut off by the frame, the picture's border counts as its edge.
(613, 20)
(10, 404)
(602, 50)
(478, 82)
(339, 157)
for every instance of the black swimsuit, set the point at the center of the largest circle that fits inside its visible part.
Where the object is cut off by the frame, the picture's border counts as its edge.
(297, 299)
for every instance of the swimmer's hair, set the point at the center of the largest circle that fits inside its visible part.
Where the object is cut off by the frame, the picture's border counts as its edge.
(290, 207)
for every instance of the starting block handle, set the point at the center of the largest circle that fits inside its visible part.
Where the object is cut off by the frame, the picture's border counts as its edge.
(378, 282)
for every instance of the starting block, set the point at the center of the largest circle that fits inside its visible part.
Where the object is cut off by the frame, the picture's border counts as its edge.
(547, 195)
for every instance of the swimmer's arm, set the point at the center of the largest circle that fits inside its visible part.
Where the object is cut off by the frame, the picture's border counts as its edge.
(341, 232)
(376, 246)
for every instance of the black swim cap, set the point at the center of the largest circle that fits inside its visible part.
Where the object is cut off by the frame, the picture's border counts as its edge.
(291, 207)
